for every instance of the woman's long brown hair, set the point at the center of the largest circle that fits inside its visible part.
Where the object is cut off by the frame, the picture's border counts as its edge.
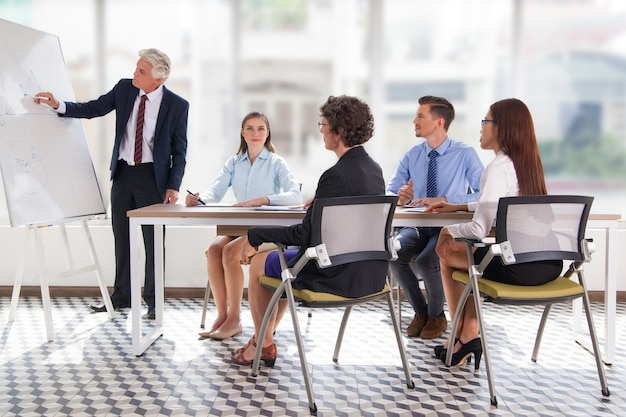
(516, 136)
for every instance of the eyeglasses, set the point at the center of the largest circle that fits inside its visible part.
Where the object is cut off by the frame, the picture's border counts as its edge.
(485, 121)
(320, 125)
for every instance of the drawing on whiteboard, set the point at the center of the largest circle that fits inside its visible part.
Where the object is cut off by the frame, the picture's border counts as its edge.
(47, 172)
(19, 98)
(27, 167)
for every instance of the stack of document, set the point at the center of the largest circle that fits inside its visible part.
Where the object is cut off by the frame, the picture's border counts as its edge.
(282, 208)
(418, 209)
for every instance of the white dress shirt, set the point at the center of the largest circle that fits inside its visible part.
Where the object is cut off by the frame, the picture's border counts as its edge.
(127, 147)
(499, 180)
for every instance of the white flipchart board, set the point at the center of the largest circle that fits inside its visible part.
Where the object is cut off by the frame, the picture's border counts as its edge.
(47, 171)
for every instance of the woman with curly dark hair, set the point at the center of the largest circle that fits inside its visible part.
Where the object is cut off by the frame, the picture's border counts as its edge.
(346, 123)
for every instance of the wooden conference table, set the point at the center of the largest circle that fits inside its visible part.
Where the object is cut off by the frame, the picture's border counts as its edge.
(235, 220)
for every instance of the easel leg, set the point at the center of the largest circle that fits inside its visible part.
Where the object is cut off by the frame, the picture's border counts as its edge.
(98, 269)
(44, 275)
(19, 276)
(45, 289)
(68, 252)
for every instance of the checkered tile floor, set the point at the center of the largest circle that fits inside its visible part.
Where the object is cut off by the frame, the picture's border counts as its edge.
(89, 369)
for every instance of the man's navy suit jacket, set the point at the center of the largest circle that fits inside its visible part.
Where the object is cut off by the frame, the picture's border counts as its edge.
(170, 137)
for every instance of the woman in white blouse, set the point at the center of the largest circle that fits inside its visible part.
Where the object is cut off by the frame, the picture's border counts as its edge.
(508, 130)
(258, 176)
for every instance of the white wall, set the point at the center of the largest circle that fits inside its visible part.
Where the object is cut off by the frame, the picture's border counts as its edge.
(185, 260)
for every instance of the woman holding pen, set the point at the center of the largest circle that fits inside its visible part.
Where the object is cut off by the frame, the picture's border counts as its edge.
(258, 176)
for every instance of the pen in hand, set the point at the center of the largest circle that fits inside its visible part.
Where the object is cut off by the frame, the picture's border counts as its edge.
(406, 191)
(37, 97)
(200, 200)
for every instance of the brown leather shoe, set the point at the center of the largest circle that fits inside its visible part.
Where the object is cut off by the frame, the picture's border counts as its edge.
(268, 354)
(417, 324)
(434, 327)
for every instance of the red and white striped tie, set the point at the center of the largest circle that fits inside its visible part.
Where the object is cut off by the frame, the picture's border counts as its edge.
(139, 129)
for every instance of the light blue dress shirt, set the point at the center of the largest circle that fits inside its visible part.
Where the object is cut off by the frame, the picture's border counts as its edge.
(458, 169)
(269, 177)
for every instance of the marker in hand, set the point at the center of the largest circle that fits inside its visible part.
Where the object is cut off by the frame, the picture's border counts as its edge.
(201, 202)
(37, 97)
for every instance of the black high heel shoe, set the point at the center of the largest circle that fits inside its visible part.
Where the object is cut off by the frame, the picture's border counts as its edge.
(439, 349)
(465, 353)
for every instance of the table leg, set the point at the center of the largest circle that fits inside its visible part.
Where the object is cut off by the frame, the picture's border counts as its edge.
(139, 341)
(135, 287)
(610, 292)
(159, 276)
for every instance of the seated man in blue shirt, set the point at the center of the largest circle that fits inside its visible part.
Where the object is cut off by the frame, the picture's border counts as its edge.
(439, 169)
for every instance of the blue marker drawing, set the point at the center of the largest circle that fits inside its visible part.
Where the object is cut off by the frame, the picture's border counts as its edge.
(28, 168)
(19, 100)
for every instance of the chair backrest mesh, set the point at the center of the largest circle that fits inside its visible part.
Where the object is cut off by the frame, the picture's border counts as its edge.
(354, 228)
(544, 227)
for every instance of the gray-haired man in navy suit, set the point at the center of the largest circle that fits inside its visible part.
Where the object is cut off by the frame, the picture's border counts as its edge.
(148, 160)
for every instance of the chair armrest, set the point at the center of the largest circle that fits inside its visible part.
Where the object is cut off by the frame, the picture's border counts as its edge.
(394, 246)
(502, 250)
(308, 255)
(476, 243)
(318, 253)
(589, 247)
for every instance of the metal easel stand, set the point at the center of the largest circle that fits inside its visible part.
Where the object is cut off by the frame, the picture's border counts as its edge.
(34, 232)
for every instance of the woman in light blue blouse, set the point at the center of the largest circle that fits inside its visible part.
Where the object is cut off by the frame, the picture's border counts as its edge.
(258, 176)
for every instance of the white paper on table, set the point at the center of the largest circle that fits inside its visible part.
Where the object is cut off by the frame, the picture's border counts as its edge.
(281, 208)
(418, 209)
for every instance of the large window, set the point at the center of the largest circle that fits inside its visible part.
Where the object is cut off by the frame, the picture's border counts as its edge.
(565, 59)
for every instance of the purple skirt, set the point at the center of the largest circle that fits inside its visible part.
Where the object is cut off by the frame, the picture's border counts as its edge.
(272, 262)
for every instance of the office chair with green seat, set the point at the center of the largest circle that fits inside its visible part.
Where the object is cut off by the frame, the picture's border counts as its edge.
(532, 228)
(344, 230)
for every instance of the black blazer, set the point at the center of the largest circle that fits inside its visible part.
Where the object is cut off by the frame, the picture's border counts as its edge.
(170, 136)
(356, 173)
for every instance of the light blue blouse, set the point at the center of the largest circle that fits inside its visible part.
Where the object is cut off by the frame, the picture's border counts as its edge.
(269, 177)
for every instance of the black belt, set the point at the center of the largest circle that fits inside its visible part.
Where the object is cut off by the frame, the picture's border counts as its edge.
(132, 164)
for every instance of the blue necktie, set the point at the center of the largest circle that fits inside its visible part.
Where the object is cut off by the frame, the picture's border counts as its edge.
(431, 179)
